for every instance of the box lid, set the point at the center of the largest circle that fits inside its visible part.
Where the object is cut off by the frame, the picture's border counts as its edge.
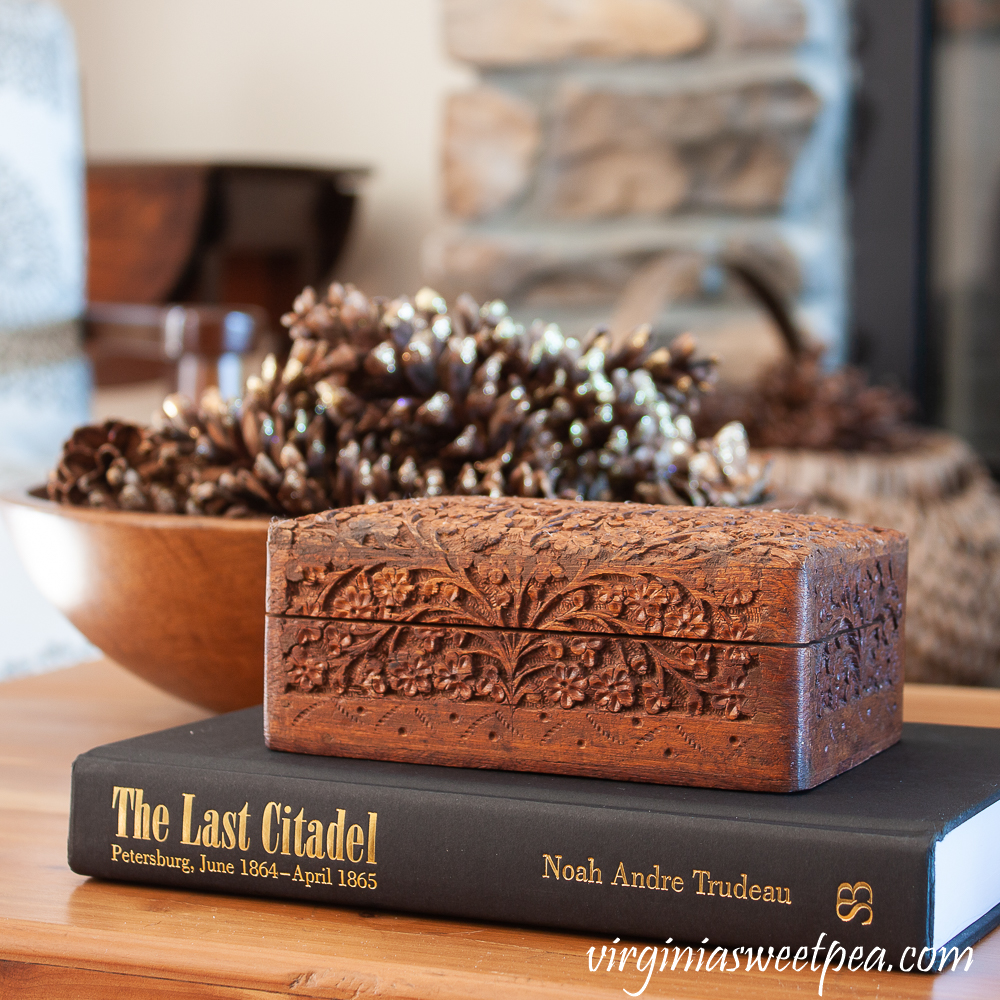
(712, 574)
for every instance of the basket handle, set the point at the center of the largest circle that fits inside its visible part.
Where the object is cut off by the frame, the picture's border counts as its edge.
(646, 294)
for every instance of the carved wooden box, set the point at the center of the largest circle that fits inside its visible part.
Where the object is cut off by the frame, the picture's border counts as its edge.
(717, 647)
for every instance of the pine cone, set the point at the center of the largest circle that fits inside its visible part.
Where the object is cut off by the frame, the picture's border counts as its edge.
(798, 405)
(120, 466)
(385, 400)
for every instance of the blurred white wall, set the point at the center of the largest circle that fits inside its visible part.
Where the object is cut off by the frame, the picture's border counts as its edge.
(326, 82)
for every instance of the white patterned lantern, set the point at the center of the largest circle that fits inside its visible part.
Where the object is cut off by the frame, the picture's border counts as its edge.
(44, 381)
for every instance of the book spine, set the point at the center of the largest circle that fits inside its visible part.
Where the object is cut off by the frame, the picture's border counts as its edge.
(614, 871)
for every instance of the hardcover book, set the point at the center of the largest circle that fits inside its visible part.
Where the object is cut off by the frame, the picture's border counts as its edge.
(742, 649)
(897, 853)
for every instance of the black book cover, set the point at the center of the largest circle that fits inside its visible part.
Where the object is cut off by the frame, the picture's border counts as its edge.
(208, 806)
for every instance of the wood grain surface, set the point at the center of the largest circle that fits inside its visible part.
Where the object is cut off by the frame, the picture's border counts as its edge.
(177, 600)
(63, 936)
(728, 648)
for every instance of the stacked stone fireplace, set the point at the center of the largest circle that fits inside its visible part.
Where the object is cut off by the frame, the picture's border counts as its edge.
(604, 135)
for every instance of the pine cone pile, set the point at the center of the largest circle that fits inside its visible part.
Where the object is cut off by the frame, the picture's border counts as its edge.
(383, 400)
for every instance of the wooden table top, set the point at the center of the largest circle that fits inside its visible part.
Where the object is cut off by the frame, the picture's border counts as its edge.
(66, 936)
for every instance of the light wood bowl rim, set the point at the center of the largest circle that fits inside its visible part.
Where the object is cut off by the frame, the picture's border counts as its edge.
(28, 498)
(135, 518)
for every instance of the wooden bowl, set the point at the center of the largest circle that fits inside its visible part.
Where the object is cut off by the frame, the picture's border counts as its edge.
(177, 600)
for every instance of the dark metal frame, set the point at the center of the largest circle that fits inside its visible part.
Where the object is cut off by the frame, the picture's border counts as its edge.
(889, 194)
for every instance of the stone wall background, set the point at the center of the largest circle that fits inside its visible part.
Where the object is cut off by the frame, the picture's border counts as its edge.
(965, 199)
(603, 134)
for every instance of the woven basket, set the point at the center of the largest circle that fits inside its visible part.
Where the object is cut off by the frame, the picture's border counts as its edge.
(941, 496)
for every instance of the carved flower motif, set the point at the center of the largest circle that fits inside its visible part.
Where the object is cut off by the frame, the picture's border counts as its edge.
(731, 629)
(612, 599)
(740, 656)
(411, 678)
(381, 529)
(391, 586)
(489, 686)
(686, 620)
(644, 604)
(730, 699)
(620, 539)
(739, 597)
(338, 639)
(694, 660)
(695, 704)
(494, 582)
(521, 528)
(638, 664)
(374, 682)
(445, 525)
(483, 534)
(354, 600)
(448, 591)
(453, 675)
(612, 689)
(546, 570)
(585, 650)
(307, 668)
(306, 675)
(429, 641)
(569, 542)
(653, 699)
(566, 685)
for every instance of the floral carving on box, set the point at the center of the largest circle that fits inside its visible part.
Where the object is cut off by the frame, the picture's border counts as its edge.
(547, 603)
